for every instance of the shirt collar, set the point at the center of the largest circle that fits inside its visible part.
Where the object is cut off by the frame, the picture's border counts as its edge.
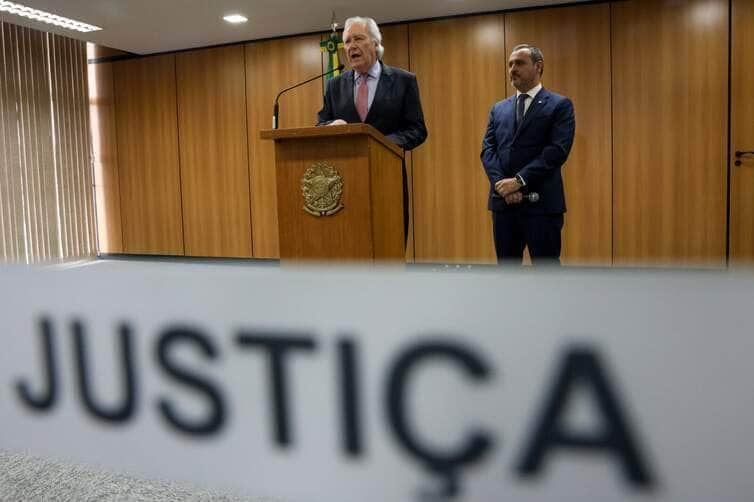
(374, 71)
(531, 92)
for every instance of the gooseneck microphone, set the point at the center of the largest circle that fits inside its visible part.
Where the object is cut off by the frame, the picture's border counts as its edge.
(276, 107)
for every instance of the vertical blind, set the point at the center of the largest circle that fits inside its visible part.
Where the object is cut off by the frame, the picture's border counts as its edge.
(46, 195)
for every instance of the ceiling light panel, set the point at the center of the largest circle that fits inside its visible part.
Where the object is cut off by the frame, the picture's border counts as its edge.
(235, 18)
(45, 17)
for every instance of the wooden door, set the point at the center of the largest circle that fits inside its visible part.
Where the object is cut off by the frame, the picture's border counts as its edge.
(742, 134)
(670, 119)
(213, 152)
(147, 130)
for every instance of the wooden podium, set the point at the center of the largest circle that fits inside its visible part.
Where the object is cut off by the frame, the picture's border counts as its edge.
(340, 194)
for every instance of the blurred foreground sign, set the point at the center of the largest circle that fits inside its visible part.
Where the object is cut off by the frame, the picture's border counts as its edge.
(383, 385)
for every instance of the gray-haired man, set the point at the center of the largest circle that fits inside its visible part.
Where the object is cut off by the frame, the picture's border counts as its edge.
(372, 92)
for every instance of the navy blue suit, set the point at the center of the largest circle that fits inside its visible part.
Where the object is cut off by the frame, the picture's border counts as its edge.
(537, 151)
(396, 110)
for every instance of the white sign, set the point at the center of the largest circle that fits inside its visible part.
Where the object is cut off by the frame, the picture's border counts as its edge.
(384, 385)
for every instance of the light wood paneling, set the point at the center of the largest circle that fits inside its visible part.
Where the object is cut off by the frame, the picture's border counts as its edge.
(460, 66)
(670, 106)
(147, 129)
(395, 41)
(105, 153)
(575, 42)
(271, 67)
(213, 152)
(742, 134)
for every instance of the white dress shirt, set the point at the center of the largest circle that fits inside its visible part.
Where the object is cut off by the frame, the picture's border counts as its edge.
(532, 93)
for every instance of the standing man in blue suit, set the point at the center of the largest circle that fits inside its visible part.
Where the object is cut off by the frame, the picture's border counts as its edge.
(528, 139)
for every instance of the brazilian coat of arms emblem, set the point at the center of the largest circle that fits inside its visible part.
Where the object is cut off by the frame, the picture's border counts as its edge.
(322, 188)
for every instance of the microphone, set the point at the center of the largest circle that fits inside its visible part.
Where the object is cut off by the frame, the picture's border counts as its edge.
(276, 107)
(530, 197)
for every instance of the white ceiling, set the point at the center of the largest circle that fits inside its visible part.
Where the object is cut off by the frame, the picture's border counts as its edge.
(150, 26)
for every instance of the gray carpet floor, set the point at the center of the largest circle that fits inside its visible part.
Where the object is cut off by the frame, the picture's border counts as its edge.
(30, 479)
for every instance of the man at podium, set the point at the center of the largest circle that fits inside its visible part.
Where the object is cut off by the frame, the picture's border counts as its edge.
(372, 92)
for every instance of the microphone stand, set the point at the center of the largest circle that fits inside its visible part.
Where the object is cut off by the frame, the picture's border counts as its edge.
(276, 106)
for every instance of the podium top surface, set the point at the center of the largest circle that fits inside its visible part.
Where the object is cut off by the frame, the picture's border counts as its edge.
(330, 131)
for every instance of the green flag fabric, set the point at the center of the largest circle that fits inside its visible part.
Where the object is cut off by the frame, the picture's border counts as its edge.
(330, 46)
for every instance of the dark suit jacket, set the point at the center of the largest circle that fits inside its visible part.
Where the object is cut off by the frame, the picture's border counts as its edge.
(396, 110)
(536, 151)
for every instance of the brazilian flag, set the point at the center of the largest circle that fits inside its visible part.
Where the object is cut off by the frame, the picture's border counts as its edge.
(330, 46)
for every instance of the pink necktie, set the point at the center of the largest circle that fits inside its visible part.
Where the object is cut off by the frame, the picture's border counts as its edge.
(362, 98)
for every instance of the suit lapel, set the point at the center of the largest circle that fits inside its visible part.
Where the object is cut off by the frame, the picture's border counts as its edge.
(539, 101)
(384, 85)
(509, 112)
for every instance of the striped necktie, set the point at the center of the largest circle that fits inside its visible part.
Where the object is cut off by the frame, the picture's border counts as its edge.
(520, 107)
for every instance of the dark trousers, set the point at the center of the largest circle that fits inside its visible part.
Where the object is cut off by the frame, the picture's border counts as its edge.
(514, 230)
(405, 206)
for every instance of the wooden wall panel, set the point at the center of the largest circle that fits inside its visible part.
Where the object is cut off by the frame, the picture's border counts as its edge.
(147, 129)
(742, 134)
(575, 42)
(213, 152)
(670, 102)
(105, 153)
(460, 64)
(270, 67)
(395, 41)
